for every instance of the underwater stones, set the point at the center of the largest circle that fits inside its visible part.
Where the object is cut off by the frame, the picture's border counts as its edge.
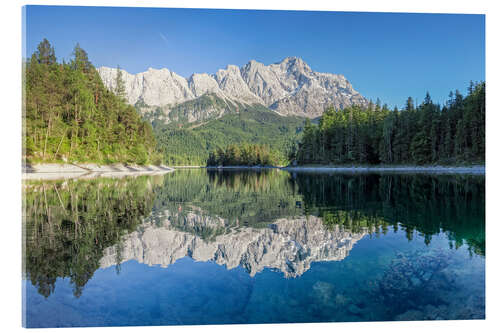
(431, 312)
(415, 286)
(454, 307)
(409, 273)
(354, 309)
(442, 312)
(410, 315)
(471, 308)
(340, 300)
(323, 291)
(428, 312)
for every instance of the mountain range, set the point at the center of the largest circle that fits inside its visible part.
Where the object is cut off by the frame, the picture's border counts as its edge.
(289, 88)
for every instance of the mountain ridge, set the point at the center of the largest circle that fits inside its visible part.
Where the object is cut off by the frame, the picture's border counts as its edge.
(289, 87)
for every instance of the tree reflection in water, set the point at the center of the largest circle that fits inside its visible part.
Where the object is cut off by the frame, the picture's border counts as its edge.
(71, 225)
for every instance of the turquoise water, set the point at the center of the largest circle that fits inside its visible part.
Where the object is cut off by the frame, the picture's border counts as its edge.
(198, 247)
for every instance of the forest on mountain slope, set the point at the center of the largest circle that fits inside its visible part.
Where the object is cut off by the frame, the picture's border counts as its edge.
(428, 134)
(188, 144)
(71, 116)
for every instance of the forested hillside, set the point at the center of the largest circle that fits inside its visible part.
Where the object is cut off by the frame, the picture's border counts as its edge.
(70, 115)
(427, 134)
(190, 144)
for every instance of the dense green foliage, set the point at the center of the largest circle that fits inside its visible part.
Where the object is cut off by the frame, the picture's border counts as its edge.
(428, 134)
(416, 203)
(68, 225)
(71, 116)
(190, 144)
(245, 154)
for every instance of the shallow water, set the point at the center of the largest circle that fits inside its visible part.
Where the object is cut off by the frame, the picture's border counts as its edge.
(214, 247)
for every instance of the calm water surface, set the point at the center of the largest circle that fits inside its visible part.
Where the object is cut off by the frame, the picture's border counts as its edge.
(211, 247)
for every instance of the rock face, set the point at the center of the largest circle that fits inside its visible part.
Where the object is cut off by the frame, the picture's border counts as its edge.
(154, 87)
(287, 245)
(201, 84)
(289, 87)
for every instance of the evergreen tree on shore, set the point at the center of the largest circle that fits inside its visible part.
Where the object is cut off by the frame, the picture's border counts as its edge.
(71, 116)
(244, 154)
(426, 134)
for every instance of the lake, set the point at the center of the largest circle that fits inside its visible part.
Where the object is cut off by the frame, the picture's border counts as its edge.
(220, 247)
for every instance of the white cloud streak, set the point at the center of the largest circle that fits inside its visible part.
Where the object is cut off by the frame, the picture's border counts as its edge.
(164, 38)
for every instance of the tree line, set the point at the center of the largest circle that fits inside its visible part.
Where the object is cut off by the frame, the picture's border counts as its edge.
(426, 134)
(71, 116)
(243, 154)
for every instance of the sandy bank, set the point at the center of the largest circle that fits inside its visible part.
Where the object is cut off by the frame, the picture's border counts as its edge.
(476, 169)
(63, 171)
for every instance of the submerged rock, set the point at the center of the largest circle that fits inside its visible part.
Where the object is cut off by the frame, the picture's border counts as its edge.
(323, 291)
(410, 315)
(341, 300)
(354, 309)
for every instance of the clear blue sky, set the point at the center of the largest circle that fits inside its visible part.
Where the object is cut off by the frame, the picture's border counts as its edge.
(386, 55)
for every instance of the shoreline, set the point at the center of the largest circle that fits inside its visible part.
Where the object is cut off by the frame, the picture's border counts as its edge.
(474, 169)
(54, 171)
(241, 167)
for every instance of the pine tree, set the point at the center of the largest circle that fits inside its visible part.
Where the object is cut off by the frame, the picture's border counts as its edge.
(448, 139)
(409, 106)
(120, 84)
(45, 53)
(81, 60)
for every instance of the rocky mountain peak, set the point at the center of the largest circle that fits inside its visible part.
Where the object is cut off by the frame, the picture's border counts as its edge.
(201, 84)
(289, 87)
(251, 65)
(295, 63)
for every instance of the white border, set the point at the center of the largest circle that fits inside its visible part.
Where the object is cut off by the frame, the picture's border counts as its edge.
(10, 304)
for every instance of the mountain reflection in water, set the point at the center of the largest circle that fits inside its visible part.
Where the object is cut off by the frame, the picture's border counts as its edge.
(288, 245)
(319, 230)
